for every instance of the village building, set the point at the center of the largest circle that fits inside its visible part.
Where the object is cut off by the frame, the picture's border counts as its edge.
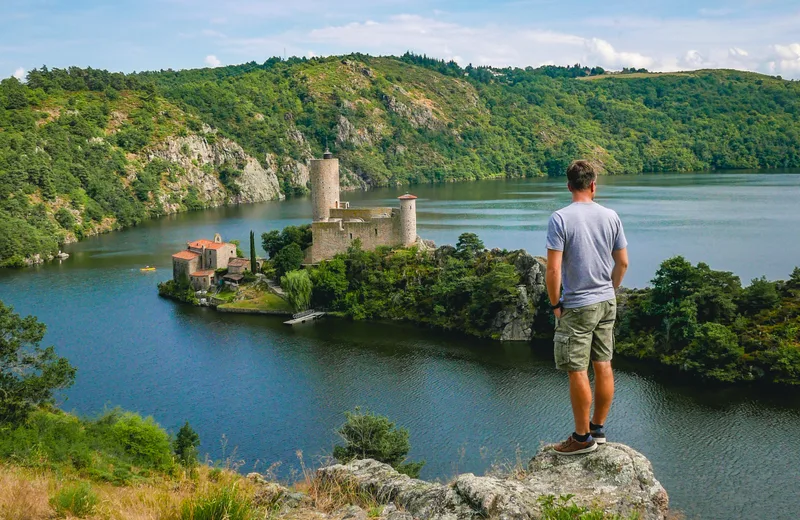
(197, 264)
(335, 225)
(237, 267)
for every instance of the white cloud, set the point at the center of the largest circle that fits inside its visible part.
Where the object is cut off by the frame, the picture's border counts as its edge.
(20, 74)
(480, 45)
(736, 52)
(785, 59)
(694, 60)
(664, 44)
(212, 61)
(602, 53)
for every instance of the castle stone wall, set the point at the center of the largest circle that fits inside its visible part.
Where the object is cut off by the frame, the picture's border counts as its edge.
(324, 176)
(332, 238)
(362, 213)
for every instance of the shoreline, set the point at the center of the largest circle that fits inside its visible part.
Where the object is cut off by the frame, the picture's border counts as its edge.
(45, 257)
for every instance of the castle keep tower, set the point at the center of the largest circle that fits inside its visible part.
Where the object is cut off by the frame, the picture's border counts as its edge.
(408, 219)
(324, 175)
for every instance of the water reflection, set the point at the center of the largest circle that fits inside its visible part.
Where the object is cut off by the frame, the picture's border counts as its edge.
(272, 390)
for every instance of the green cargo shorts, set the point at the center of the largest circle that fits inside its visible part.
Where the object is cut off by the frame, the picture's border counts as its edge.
(585, 333)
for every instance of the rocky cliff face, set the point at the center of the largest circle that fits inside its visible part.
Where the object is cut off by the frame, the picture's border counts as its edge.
(614, 478)
(515, 323)
(200, 160)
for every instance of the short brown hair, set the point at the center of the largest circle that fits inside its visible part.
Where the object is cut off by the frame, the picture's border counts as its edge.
(581, 175)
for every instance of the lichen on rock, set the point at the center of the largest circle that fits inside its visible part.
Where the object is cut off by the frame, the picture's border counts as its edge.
(615, 478)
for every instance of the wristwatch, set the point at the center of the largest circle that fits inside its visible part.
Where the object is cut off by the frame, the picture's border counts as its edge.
(559, 305)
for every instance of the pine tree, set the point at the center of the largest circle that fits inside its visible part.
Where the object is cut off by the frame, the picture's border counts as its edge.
(185, 445)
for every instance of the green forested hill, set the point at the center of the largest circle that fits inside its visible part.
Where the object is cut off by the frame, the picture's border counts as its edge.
(83, 151)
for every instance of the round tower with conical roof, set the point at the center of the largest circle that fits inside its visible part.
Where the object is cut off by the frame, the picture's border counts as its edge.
(324, 176)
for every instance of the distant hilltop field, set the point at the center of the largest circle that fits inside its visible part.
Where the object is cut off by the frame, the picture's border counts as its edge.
(83, 151)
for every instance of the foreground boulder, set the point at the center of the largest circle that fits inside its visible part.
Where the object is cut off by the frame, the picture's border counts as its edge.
(614, 478)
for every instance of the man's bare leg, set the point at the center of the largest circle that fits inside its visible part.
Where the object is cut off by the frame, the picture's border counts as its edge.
(603, 390)
(580, 394)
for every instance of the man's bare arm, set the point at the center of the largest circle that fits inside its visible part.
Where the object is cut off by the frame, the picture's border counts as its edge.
(620, 257)
(552, 276)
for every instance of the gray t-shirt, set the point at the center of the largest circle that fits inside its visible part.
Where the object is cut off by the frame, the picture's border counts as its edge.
(587, 233)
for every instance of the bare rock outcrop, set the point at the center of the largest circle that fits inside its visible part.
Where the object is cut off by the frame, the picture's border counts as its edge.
(346, 132)
(515, 323)
(199, 159)
(614, 478)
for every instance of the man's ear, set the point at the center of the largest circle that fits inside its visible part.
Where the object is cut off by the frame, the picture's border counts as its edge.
(569, 187)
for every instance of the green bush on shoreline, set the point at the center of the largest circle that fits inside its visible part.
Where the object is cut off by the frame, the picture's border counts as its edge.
(694, 319)
(704, 322)
(178, 291)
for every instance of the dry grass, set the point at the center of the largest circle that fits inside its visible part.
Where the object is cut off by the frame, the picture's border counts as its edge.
(330, 496)
(25, 495)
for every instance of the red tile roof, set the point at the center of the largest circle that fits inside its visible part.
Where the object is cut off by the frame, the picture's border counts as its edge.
(207, 272)
(407, 196)
(208, 244)
(239, 262)
(186, 255)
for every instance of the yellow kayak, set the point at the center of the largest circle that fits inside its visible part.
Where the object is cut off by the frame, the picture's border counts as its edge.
(148, 268)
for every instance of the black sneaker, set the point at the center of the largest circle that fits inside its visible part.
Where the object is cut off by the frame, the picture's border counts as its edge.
(599, 435)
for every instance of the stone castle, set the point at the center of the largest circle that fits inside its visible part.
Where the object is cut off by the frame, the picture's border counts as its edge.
(336, 225)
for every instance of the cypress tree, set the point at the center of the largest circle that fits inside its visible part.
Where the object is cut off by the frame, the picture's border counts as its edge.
(253, 263)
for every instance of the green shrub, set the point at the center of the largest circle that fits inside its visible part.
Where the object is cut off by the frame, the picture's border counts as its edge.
(46, 440)
(561, 509)
(178, 291)
(144, 440)
(225, 503)
(370, 436)
(75, 500)
(298, 288)
(65, 218)
(185, 445)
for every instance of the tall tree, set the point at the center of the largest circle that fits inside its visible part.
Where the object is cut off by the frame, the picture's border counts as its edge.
(28, 373)
(253, 262)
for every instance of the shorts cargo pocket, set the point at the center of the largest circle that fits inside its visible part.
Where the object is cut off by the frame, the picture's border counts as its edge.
(562, 350)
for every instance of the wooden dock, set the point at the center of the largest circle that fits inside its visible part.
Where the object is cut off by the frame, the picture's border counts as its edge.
(302, 317)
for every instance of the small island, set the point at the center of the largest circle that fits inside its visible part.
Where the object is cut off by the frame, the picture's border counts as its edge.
(214, 273)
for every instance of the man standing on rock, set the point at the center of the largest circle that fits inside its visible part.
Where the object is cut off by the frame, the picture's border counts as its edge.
(586, 253)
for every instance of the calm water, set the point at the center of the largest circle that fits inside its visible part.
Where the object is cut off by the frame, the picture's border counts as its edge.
(271, 390)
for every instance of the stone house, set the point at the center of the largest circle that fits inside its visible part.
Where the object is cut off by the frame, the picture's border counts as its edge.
(197, 263)
(237, 267)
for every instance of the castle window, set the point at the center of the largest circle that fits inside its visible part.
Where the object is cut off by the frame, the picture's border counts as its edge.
(351, 236)
(376, 231)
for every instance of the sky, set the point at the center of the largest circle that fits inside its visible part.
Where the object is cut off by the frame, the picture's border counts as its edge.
(128, 35)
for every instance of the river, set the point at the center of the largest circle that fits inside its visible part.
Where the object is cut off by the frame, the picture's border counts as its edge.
(259, 391)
